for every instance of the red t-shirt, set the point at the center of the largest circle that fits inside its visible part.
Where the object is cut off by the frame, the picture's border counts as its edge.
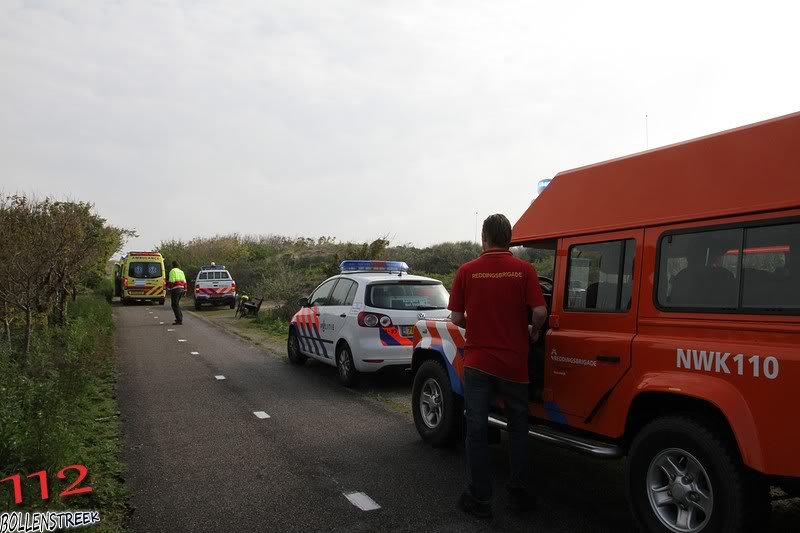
(495, 291)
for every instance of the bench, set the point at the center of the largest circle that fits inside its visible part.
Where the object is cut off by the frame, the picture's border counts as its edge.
(248, 307)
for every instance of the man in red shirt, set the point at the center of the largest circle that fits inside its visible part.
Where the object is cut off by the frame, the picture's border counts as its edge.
(490, 298)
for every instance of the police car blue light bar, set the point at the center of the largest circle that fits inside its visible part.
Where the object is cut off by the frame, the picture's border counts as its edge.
(373, 266)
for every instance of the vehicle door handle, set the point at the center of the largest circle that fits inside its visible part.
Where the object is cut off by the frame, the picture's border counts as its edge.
(343, 315)
(608, 358)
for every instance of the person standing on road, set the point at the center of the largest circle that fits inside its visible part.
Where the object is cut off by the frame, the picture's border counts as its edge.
(176, 285)
(493, 293)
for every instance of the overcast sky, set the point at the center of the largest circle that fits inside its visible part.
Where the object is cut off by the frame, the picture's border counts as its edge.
(357, 119)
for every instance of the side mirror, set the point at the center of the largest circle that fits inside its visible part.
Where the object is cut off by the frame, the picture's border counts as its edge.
(303, 302)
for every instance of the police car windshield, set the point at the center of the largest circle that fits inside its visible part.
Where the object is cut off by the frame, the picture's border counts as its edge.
(144, 269)
(409, 296)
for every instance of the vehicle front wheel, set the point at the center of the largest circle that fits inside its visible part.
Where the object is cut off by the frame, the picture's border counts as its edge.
(437, 410)
(293, 349)
(348, 375)
(681, 476)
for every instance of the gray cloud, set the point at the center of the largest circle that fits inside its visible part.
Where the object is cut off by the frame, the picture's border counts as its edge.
(358, 119)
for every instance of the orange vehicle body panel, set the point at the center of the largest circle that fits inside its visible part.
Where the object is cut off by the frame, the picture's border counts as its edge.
(750, 169)
(736, 177)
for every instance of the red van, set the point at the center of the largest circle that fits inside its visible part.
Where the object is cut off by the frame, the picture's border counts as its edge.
(673, 284)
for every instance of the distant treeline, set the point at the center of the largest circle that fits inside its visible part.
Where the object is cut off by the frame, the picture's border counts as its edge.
(283, 269)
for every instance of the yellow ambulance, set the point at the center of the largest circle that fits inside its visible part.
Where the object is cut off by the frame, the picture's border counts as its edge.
(142, 277)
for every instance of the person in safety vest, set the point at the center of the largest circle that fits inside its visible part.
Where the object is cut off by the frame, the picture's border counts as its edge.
(176, 285)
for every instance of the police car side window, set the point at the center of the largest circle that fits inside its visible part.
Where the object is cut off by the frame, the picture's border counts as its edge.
(321, 295)
(339, 294)
(351, 296)
(203, 275)
(601, 276)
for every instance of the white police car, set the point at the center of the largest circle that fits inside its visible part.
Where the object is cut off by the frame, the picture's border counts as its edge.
(214, 285)
(363, 319)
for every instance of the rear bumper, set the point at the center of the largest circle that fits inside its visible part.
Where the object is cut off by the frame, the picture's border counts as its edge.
(370, 355)
(134, 296)
(200, 297)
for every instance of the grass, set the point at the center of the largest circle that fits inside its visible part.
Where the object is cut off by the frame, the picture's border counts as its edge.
(59, 409)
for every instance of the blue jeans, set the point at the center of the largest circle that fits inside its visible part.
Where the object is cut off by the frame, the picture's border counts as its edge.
(479, 390)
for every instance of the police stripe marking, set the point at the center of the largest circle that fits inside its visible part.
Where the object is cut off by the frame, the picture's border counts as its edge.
(261, 414)
(362, 501)
(220, 377)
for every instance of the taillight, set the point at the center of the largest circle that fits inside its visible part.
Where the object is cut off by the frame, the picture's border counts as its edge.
(233, 286)
(125, 282)
(373, 320)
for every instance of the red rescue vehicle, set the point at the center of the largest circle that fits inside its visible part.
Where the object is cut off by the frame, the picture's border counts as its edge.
(673, 283)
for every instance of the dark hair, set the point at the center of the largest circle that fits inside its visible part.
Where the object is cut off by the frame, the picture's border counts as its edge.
(497, 231)
(175, 264)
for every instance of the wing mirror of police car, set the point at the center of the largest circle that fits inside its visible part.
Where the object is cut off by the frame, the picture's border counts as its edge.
(303, 302)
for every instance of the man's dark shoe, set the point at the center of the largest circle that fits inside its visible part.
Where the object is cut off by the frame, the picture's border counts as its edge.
(471, 506)
(176, 323)
(521, 500)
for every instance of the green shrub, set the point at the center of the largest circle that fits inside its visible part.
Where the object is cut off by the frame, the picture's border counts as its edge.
(105, 288)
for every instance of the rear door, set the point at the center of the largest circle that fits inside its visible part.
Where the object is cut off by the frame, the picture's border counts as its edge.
(334, 314)
(588, 347)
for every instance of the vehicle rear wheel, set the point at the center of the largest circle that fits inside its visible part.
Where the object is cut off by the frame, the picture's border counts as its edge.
(161, 301)
(437, 411)
(125, 301)
(197, 305)
(293, 349)
(348, 375)
(232, 304)
(682, 477)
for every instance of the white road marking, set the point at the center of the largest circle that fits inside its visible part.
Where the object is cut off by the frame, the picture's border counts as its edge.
(195, 353)
(181, 340)
(261, 414)
(362, 501)
(155, 317)
(170, 329)
(161, 323)
(220, 377)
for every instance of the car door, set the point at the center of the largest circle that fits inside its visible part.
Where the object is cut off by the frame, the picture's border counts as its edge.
(593, 323)
(309, 321)
(334, 315)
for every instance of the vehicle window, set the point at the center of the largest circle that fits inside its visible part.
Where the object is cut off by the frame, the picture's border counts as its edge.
(224, 275)
(320, 296)
(203, 275)
(351, 295)
(339, 294)
(542, 255)
(144, 269)
(411, 295)
(771, 268)
(601, 276)
(700, 270)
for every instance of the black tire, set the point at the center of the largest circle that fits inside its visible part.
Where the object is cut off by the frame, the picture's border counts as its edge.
(345, 368)
(446, 429)
(721, 477)
(161, 301)
(125, 301)
(196, 304)
(293, 349)
(232, 304)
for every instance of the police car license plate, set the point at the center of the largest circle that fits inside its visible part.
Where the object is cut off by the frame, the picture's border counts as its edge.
(407, 331)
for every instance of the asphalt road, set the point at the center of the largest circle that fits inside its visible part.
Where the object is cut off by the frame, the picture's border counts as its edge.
(200, 460)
